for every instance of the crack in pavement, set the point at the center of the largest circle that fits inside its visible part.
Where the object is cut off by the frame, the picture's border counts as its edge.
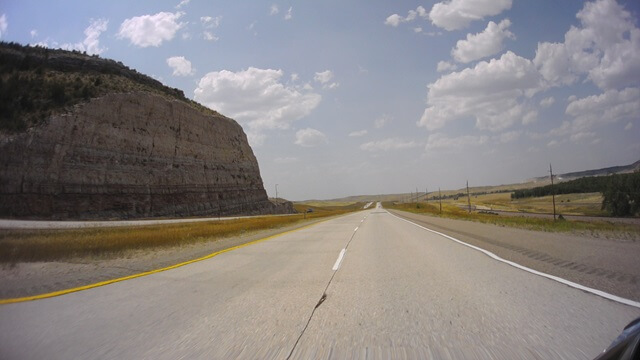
(322, 298)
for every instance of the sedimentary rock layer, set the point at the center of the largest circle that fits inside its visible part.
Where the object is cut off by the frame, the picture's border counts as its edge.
(130, 155)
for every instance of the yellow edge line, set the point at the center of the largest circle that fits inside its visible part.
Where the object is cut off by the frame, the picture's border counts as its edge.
(107, 282)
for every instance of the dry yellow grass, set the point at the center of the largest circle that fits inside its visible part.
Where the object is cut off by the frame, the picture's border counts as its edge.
(49, 245)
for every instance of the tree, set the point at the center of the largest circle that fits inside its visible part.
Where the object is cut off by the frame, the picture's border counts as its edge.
(622, 195)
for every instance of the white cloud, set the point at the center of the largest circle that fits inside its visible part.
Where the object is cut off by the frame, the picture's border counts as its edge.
(182, 3)
(180, 66)
(444, 66)
(490, 92)
(417, 29)
(395, 19)
(358, 133)
(256, 98)
(210, 22)
(582, 135)
(483, 44)
(33, 33)
(310, 137)
(4, 24)
(608, 107)
(546, 102)
(388, 144)
(91, 42)
(629, 126)
(209, 36)
(289, 14)
(380, 122)
(605, 49)
(324, 78)
(458, 14)
(150, 30)
(441, 141)
(507, 137)
(530, 117)
(274, 10)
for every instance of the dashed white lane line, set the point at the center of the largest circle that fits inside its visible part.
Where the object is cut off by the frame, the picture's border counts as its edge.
(536, 272)
(356, 229)
(336, 266)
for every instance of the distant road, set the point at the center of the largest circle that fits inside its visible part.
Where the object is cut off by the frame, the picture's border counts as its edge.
(46, 224)
(364, 285)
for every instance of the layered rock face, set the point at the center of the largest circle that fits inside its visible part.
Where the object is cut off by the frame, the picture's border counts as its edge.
(127, 156)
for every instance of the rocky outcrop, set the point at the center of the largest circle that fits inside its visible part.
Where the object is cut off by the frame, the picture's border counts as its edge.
(131, 155)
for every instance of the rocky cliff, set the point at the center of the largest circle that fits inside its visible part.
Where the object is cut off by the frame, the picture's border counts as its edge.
(128, 155)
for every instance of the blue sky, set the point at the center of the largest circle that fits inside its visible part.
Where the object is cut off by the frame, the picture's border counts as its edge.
(344, 98)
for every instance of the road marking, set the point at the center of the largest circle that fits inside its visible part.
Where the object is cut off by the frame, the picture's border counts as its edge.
(536, 272)
(356, 229)
(107, 282)
(336, 266)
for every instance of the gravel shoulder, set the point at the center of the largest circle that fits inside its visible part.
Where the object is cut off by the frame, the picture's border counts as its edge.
(608, 264)
(34, 278)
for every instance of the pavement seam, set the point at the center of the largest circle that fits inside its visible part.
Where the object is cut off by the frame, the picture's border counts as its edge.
(532, 271)
(322, 299)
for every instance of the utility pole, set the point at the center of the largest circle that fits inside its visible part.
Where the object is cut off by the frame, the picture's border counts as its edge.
(440, 197)
(426, 195)
(468, 197)
(553, 193)
(417, 196)
(276, 193)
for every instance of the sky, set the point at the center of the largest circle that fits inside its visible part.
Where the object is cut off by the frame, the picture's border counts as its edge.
(341, 98)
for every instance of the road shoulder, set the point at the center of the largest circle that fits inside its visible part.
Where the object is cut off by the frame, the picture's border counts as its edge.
(603, 264)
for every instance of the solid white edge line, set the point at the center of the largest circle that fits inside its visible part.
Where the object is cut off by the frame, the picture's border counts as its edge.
(536, 272)
(336, 266)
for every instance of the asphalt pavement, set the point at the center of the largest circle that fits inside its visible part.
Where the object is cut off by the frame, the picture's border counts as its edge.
(366, 285)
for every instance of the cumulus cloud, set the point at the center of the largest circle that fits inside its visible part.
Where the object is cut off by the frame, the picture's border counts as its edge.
(507, 137)
(180, 66)
(395, 19)
(324, 78)
(444, 66)
(458, 14)
(605, 49)
(289, 14)
(608, 107)
(273, 10)
(388, 144)
(4, 24)
(183, 3)
(33, 33)
(546, 102)
(490, 92)
(441, 141)
(483, 44)
(209, 36)
(310, 137)
(151, 30)
(380, 122)
(210, 22)
(256, 98)
(358, 133)
(91, 42)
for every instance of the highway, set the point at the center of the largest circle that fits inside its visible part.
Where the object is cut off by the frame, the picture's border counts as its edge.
(367, 285)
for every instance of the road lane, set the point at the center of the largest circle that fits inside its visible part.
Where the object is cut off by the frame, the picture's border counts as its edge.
(252, 302)
(399, 292)
(403, 291)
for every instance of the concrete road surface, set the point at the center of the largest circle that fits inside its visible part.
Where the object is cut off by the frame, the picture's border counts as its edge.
(398, 291)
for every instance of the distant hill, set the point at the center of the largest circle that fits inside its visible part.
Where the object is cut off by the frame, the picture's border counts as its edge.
(624, 169)
(528, 184)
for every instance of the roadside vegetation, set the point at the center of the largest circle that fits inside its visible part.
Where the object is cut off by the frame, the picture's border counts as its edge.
(54, 245)
(530, 223)
(37, 82)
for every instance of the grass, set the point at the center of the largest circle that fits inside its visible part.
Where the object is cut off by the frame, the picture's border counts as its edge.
(530, 223)
(568, 204)
(51, 245)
